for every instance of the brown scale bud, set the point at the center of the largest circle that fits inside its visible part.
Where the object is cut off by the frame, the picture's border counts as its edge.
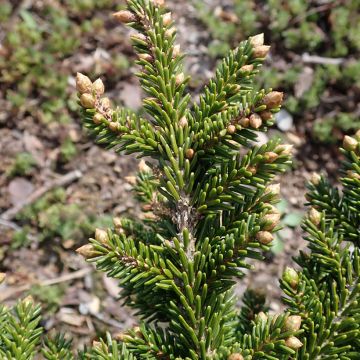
(272, 209)
(261, 51)
(255, 121)
(273, 189)
(231, 129)
(176, 50)
(170, 32)
(257, 40)
(235, 356)
(147, 207)
(314, 216)
(244, 122)
(349, 143)
(266, 115)
(353, 175)
(102, 236)
(262, 316)
(138, 332)
(247, 68)
(180, 78)
(146, 57)
(293, 323)
(105, 103)
(124, 16)
(96, 344)
(2, 277)
(98, 87)
(293, 343)
(271, 221)
(117, 222)
(87, 101)
(114, 126)
(189, 153)
(270, 156)
(122, 336)
(264, 237)
(167, 19)
(252, 169)
(87, 251)
(83, 84)
(158, 2)
(273, 99)
(315, 178)
(98, 118)
(291, 277)
(286, 149)
(183, 122)
(28, 300)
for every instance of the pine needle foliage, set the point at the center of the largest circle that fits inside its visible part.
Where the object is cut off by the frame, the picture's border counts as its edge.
(207, 202)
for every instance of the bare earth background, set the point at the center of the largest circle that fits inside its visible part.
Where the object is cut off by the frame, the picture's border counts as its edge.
(69, 185)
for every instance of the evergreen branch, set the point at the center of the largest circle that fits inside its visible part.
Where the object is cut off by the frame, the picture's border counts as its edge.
(57, 349)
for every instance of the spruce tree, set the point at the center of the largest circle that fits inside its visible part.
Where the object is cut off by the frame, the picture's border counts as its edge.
(208, 208)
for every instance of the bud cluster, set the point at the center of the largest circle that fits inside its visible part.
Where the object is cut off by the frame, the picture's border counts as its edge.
(91, 98)
(259, 49)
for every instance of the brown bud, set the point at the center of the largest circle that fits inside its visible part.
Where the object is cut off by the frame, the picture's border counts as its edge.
(176, 51)
(273, 99)
(231, 129)
(293, 343)
(146, 57)
(28, 300)
(117, 222)
(170, 32)
(122, 336)
(287, 149)
(114, 126)
(247, 68)
(167, 19)
(138, 332)
(291, 277)
(353, 175)
(255, 121)
(183, 122)
(264, 237)
(262, 316)
(180, 78)
(158, 2)
(2, 277)
(105, 103)
(244, 122)
(189, 153)
(102, 236)
(235, 356)
(143, 167)
(83, 83)
(273, 189)
(98, 118)
(124, 16)
(272, 209)
(252, 169)
(271, 221)
(315, 178)
(261, 51)
(96, 344)
(87, 101)
(266, 115)
(98, 87)
(87, 251)
(257, 40)
(349, 143)
(293, 323)
(270, 156)
(147, 207)
(314, 216)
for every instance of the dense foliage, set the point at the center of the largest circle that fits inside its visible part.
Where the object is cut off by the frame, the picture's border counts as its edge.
(207, 199)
